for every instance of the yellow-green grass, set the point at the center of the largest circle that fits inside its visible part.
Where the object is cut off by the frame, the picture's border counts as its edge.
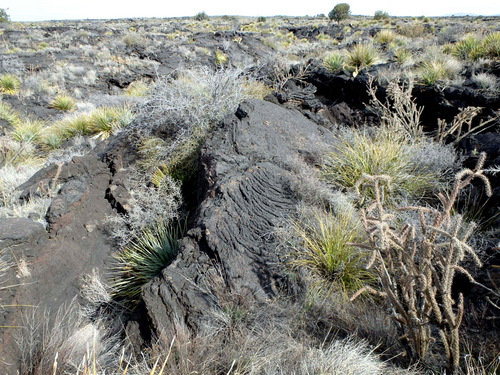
(63, 102)
(9, 84)
(357, 154)
(328, 250)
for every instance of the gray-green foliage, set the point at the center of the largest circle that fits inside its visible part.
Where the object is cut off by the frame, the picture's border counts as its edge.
(4, 17)
(340, 12)
(381, 15)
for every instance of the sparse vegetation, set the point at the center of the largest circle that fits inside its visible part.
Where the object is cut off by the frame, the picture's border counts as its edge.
(381, 15)
(367, 206)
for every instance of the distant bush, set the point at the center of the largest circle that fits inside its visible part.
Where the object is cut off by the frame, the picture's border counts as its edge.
(201, 16)
(381, 15)
(4, 17)
(415, 30)
(261, 19)
(340, 12)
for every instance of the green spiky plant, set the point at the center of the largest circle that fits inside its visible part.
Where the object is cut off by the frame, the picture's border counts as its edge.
(328, 251)
(63, 102)
(362, 56)
(106, 121)
(9, 84)
(334, 62)
(143, 259)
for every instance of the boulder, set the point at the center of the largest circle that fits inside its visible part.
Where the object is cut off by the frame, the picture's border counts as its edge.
(244, 197)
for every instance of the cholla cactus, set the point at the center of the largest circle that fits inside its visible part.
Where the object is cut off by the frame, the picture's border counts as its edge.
(416, 264)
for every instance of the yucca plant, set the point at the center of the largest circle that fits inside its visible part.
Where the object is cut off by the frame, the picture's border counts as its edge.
(9, 114)
(470, 47)
(334, 61)
(328, 251)
(362, 56)
(73, 126)
(106, 121)
(491, 45)
(385, 36)
(9, 84)
(63, 102)
(144, 259)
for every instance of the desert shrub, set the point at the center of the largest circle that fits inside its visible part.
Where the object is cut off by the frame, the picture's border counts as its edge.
(328, 252)
(385, 36)
(63, 102)
(144, 258)
(185, 109)
(485, 80)
(9, 84)
(340, 12)
(334, 61)
(135, 40)
(362, 56)
(415, 30)
(201, 16)
(261, 19)
(151, 202)
(381, 15)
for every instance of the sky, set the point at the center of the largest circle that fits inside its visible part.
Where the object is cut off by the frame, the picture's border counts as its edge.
(40, 10)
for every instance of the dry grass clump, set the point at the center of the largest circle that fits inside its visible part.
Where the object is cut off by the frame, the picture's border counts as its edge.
(385, 36)
(9, 84)
(327, 250)
(63, 102)
(359, 153)
(63, 344)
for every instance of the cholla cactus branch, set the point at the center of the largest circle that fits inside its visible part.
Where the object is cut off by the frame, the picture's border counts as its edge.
(416, 268)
